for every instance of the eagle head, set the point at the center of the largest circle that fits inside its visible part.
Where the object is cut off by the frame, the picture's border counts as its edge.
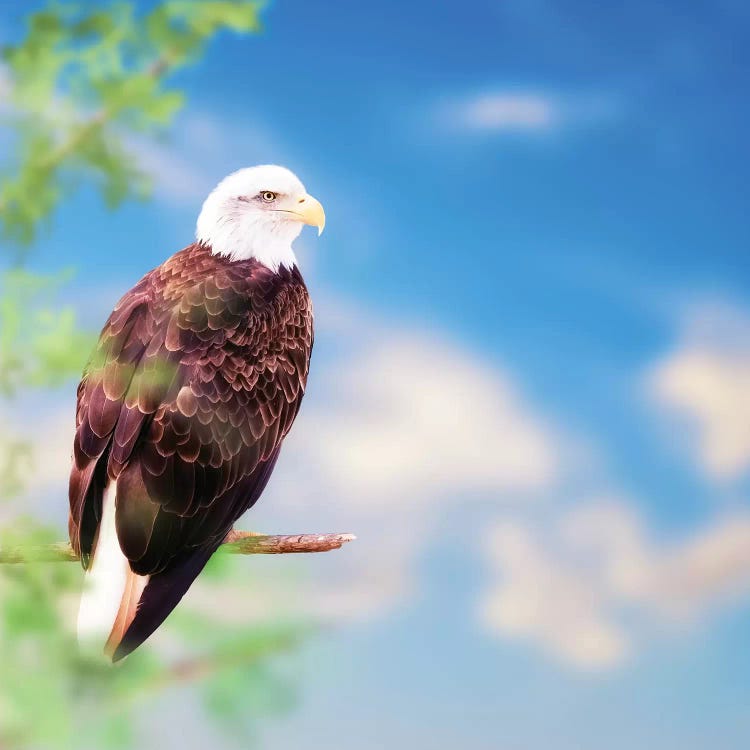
(258, 212)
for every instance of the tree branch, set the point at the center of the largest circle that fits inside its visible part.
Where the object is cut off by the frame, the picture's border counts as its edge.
(236, 543)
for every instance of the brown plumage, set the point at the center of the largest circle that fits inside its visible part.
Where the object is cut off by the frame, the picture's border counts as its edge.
(197, 377)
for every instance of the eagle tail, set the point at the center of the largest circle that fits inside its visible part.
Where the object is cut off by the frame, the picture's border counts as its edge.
(161, 594)
(110, 590)
(134, 588)
(120, 609)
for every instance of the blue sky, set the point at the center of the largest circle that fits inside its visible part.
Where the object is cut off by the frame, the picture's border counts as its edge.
(530, 389)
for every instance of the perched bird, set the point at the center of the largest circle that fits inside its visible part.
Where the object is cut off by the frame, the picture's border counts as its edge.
(196, 379)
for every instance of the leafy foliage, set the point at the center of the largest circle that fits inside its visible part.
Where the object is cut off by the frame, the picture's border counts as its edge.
(86, 77)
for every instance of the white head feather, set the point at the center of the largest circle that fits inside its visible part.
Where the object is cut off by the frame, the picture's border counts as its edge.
(258, 212)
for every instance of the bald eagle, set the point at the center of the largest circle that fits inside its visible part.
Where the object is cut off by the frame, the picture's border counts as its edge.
(196, 379)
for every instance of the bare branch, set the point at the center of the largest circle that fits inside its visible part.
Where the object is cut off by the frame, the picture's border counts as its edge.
(236, 543)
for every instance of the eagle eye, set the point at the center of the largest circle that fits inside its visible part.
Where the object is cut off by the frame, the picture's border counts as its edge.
(268, 196)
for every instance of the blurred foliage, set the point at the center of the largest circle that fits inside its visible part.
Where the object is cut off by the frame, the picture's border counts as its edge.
(85, 80)
(15, 463)
(54, 696)
(40, 344)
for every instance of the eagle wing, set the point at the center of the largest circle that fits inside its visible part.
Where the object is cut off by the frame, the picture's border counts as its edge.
(196, 379)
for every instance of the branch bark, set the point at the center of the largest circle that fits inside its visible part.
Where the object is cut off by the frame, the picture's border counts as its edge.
(236, 543)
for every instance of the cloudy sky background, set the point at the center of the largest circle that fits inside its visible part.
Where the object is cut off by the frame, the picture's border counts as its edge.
(530, 395)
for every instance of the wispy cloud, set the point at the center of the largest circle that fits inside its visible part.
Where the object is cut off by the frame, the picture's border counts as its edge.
(542, 598)
(176, 180)
(509, 111)
(593, 584)
(200, 150)
(410, 413)
(702, 384)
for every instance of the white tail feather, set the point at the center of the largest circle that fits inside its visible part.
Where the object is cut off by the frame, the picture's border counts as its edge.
(111, 591)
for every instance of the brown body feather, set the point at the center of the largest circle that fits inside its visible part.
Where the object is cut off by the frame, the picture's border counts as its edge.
(197, 377)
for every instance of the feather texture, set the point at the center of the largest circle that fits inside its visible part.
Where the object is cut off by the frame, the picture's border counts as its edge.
(197, 377)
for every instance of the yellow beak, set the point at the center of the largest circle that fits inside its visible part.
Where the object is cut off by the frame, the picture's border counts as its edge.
(311, 212)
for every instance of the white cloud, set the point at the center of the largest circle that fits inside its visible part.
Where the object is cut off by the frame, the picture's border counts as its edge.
(592, 584)
(508, 111)
(527, 111)
(678, 581)
(703, 382)
(177, 180)
(544, 599)
(407, 414)
(182, 167)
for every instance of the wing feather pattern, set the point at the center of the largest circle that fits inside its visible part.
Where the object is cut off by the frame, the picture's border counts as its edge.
(196, 380)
